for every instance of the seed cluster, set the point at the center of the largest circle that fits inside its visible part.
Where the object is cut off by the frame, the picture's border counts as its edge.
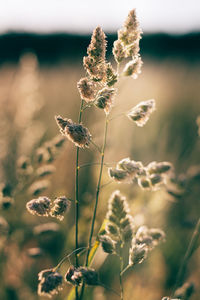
(140, 113)
(79, 275)
(76, 133)
(150, 177)
(43, 206)
(50, 283)
(127, 46)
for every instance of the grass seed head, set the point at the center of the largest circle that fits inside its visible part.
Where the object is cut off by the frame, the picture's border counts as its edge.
(137, 253)
(133, 68)
(130, 166)
(97, 47)
(39, 206)
(104, 99)
(108, 245)
(159, 167)
(111, 75)
(118, 175)
(132, 50)
(50, 283)
(118, 51)
(144, 182)
(86, 89)
(90, 276)
(60, 206)
(97, 72)
(140, 113)
(73, 276)
(76, 133)
(131, 31)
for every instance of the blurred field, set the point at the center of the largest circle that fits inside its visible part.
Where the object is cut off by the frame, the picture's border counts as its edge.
(30, 96)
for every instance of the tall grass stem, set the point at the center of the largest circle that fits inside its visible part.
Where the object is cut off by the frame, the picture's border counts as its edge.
(77, 196)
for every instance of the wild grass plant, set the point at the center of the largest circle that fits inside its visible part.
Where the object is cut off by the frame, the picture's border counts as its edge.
(119, 234)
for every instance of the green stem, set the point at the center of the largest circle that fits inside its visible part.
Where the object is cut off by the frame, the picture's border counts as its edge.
(97, 192)
(96, 201)
(120, 273)
(77, 197)
(191, 248)
(120, 278)
(125, 269)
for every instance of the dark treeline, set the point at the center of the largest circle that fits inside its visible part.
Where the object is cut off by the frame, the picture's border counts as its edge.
(54, 48)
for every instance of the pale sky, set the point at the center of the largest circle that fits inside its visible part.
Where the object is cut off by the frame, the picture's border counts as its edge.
(84, 15)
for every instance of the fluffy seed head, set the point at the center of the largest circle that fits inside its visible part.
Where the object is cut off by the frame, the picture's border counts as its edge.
(39, 206)
(112, 229)
(137, 254)
(111, 75)
(131, 23)
(49, 283)
(73, 276)
(117, 205)
(118, 51)
(104, 99)
(60, 206)
(150, 237)
(131, 166)
(108, 245)
(157, 235)
(132, 50)
(86, 89)
(156, 180)
(118, 175)
(76, 133)
(90, 276)
(144, 182)
(140, 113)
(96, 71)
(97, 47)
(159, 167)
(131, 31)
(133, 68)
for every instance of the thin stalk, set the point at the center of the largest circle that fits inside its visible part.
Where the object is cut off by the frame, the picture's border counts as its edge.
(77, 196)
(96, 200)
(191, 247)
(97, 192)
(125, 269)
(78, 251)
(120, 273)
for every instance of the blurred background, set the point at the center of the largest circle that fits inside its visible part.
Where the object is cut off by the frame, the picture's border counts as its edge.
(42, 44)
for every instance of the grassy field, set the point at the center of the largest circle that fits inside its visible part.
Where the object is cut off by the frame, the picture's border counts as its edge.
(30, 96)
